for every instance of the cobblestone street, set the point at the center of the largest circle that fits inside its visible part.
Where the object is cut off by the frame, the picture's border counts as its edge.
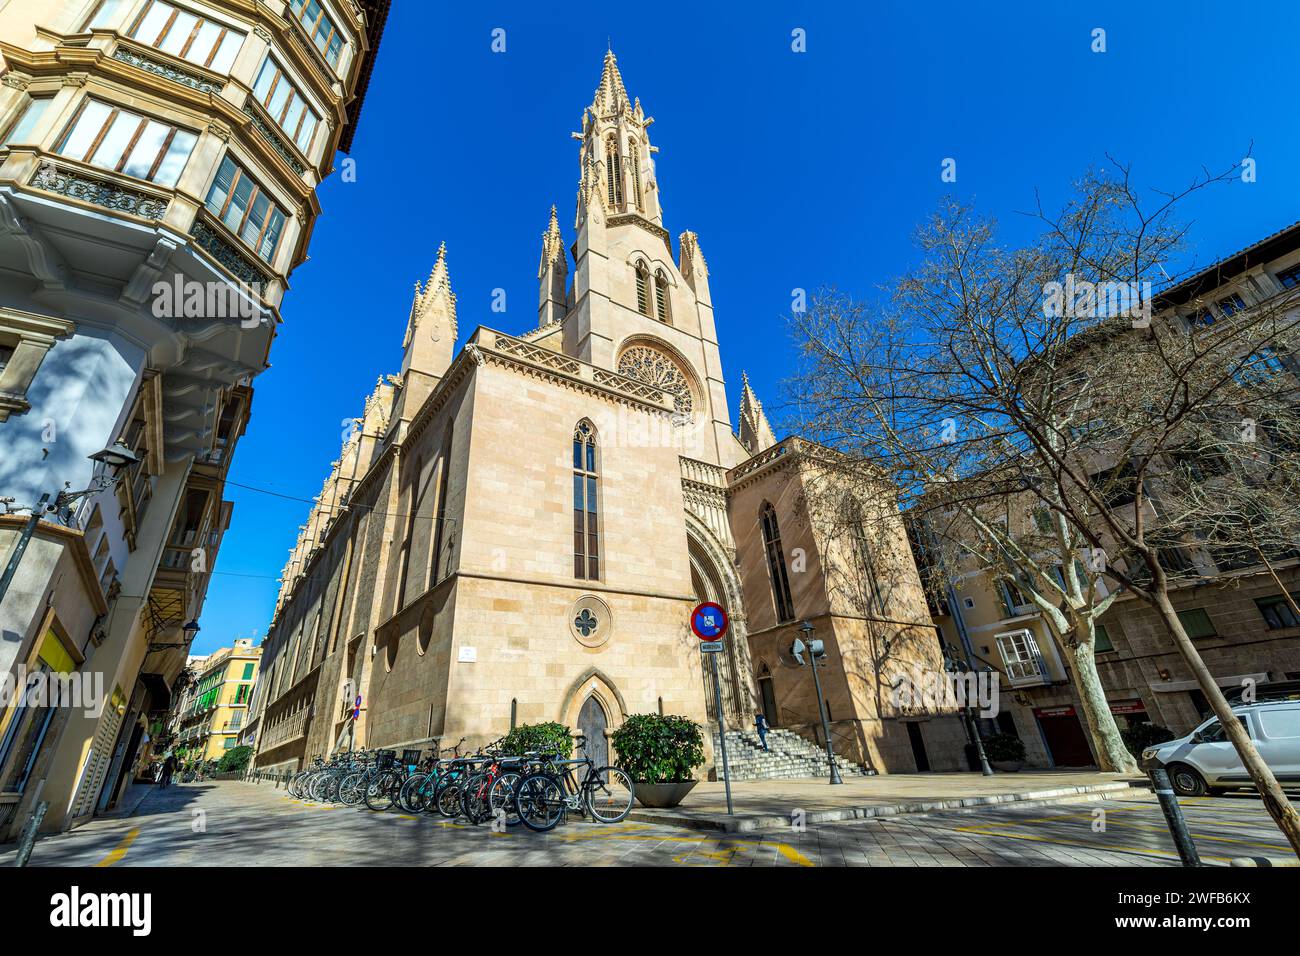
(229, 823)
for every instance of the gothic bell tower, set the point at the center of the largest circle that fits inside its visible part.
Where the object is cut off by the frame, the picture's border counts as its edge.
(631, 308)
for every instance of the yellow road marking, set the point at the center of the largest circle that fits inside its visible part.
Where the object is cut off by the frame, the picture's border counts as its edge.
(119, 851)
(1088, 846)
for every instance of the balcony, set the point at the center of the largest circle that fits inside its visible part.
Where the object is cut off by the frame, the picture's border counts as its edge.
(95, 187)
(227, 252)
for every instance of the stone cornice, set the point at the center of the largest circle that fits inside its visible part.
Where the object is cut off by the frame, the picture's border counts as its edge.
(75, 542)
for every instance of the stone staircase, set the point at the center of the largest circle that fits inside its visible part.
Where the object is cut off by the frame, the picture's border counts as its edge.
(788, 757)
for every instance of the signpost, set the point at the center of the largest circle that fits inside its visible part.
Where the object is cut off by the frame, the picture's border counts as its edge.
(709, 622)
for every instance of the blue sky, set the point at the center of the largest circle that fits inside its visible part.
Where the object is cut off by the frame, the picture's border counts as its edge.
(796, 170)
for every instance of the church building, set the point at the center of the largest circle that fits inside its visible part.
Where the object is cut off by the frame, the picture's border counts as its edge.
(517, 531)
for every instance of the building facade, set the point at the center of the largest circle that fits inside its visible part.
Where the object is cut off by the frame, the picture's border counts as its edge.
(1234, 609)
(213, 713)
(158, 168)
(517, 531)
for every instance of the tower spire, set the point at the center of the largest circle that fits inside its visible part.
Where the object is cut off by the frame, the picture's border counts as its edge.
(611, 95)
(430, 336)
(755, 432)
(552, 272)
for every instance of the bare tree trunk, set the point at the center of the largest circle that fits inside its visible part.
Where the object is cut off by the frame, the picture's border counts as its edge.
(1275, 801)
(1112, 755)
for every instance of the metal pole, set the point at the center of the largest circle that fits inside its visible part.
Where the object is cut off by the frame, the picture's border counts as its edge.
(826, 727)
(28, 839)
(1174, 816)
(722, 731)
(11, 568)
(979, 742)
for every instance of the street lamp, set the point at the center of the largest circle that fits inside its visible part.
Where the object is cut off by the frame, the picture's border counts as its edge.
(816, 652)
(190, 630)
(115, 457)
(954, 666)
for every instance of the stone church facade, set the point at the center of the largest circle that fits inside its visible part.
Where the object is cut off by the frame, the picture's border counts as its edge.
(516, 531)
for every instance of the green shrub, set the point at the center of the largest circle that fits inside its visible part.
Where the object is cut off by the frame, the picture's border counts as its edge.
(550, 737)
(1141, 736)
(235, 760)
(657, 749)
(1004, 747)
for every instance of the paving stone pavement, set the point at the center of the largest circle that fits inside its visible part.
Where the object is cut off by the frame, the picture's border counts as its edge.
(230, 823)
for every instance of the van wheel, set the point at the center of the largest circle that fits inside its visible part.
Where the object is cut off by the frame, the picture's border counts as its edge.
(1187, 782)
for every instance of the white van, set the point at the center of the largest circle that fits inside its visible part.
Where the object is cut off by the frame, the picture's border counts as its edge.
(1205, 762)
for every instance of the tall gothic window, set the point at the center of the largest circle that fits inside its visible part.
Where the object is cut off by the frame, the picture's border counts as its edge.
(661, 296)
(636, 175)
(440, 510)
(642, 289)
(586, 538)
(776, 565)
(613, 175)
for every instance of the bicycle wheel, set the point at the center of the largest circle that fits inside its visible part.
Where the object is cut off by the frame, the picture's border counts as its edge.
(350, 789)
(317, 791)
(379, 793)
(539, 801)
(447, 797)
(610, 799)
(474, 805)
(501, 798)
(414, 795)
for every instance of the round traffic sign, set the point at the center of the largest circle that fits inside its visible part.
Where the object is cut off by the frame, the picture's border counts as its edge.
(709, 621)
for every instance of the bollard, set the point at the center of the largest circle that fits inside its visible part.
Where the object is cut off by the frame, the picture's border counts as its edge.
(28, 839)
(1174, 816)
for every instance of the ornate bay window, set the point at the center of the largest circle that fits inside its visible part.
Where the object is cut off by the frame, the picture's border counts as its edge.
(174, 30)
(320, 28)
(245, 209)
(21, 127)
(286, 106)
(119, 140)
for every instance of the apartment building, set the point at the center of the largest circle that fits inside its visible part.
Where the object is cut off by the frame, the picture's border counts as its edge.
(216, 706)
(158, 169)
(1231, 605)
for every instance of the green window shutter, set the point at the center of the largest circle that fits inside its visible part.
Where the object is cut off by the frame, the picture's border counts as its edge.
(1101, 639)
(248, 670)
(1197, 623)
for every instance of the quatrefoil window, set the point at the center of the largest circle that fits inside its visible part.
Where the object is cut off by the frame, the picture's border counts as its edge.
(586, 622)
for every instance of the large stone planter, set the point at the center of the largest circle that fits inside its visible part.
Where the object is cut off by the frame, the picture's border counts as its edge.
(1005, 766)
(663, 795)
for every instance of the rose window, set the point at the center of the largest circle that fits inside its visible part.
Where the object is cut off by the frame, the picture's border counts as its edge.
(653, 367)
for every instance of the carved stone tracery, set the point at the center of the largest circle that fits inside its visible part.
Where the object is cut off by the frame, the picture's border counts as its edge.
(653, 367)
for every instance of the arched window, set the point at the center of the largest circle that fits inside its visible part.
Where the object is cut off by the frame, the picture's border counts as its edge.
(586, 539)
(661, 297)
(635, 163)
(642, 289)
(613, 175)
(776, 565)
(440, 537)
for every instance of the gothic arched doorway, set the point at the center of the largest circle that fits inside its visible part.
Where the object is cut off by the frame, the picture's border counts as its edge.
(767, 696)
(592, 723)
(713, 578)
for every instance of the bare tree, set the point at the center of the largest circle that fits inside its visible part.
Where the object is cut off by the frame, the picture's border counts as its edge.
(1048, 379)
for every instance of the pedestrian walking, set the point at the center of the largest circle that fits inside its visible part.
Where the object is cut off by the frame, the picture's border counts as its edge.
(168, 768)
(760, 724)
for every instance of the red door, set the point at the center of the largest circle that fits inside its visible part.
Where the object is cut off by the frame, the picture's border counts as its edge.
(1065, 737)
